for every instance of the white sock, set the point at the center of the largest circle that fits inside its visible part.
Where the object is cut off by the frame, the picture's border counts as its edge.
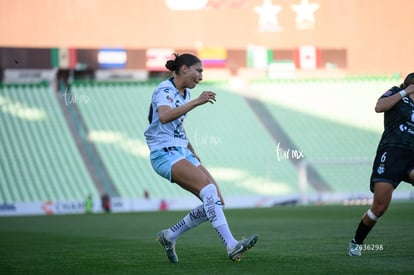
(193, 219)
(225, 234)
(215, 214)
(196, 216)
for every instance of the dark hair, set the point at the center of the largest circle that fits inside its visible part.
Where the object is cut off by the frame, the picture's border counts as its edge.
(180, 60)
(409, 79)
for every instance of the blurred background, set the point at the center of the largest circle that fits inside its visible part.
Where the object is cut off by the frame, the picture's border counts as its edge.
(297, 82)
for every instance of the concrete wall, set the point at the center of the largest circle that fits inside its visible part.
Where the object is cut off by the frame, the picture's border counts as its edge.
(377, 34)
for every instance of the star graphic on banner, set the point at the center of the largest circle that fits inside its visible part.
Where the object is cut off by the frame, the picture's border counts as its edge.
(268, 16)
(305, 18)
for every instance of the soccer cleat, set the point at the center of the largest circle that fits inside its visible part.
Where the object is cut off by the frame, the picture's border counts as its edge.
(168, 246)
(354, 249)
(241, 247)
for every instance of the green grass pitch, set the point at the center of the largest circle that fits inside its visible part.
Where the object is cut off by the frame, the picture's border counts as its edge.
(293, 240)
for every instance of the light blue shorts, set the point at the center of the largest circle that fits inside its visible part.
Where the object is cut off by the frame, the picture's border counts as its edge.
(163, 159)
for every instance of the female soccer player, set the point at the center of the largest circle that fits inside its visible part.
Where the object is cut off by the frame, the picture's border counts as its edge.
(173, 157)
(394, 161)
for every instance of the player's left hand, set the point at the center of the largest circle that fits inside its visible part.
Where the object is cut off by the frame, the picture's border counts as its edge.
(207, 96)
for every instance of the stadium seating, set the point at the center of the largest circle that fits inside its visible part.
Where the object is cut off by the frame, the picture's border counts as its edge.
(231, 139)
(331, 122)
(116, 119)
(227, 136)
(39, 159)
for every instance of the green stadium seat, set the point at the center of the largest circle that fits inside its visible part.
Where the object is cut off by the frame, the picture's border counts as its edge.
(337, 134)
(241, 158)
(40, 160)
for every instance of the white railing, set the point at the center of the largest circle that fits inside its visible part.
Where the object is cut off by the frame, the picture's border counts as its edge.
(303, 180)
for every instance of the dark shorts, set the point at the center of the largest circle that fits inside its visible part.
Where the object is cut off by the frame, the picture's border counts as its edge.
(392, 165)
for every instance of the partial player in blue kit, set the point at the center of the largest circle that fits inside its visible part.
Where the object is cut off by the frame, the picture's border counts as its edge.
(173, 157)
(394, 160)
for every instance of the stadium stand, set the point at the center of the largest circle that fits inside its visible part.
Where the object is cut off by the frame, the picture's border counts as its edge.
(337, 135)
(228, 137)
(39, 160)
(333, 122)
(244, 145)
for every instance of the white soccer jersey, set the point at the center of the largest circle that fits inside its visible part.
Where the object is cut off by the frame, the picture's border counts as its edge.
(170, 134)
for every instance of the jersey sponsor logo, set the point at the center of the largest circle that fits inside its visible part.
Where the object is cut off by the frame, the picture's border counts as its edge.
(179, 131)
(403, 128)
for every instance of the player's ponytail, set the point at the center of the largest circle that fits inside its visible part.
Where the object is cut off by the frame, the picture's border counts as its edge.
(171, 65)
(180, 60)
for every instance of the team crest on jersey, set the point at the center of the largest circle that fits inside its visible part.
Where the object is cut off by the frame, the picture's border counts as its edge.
(381, 169)
(169, 98)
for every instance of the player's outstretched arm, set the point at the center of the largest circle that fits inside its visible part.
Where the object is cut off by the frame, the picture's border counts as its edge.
(168, 114)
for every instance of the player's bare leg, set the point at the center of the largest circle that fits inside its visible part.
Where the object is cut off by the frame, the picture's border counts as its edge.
(382, 198)
(198, 181)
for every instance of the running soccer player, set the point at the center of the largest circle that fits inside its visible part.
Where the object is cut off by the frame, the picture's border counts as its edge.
(394, 161)
(173, 157)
